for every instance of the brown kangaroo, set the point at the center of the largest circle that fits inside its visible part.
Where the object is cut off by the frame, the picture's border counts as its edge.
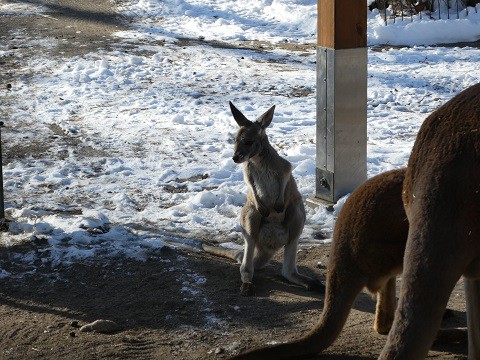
(273, 215)
(371, 231)
(441, 196)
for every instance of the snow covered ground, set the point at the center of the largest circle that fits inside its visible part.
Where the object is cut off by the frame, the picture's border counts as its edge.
(292, 21)
(154, 113)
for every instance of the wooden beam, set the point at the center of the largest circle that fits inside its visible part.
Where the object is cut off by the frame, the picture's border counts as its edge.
(342, 24)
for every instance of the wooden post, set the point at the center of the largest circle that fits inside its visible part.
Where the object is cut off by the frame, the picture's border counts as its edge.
(341, 99)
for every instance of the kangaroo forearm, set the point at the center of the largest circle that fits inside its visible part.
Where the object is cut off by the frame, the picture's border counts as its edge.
(261, 207)
(259, 204)
(281, 192)
(280, 201)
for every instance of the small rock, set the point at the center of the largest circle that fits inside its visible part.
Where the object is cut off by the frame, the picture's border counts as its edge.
(100, 326)
(166, 250)
(218, 351)
(75, 324)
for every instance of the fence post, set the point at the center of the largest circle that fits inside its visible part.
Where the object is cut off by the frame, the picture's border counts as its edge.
(341, 158)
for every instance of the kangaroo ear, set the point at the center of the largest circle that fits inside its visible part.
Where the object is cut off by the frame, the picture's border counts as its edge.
(265, 119)
(238, 116)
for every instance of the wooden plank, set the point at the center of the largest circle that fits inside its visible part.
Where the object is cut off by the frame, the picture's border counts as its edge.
(325, 21)
(342, 24)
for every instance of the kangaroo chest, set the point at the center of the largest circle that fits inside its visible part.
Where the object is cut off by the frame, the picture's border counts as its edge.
(264, 182)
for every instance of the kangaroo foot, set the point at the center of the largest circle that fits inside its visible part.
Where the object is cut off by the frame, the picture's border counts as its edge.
(383, 323)
(315, 285)
(311, 284)
(247, 289)
(386, 305)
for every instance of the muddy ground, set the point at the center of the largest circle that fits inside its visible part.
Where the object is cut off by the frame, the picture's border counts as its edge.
(177, 305)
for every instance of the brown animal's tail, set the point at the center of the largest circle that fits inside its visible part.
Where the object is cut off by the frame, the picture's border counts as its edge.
(342, 289)
(233, 254)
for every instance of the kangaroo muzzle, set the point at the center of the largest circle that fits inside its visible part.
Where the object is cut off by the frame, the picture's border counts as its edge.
(237, 158)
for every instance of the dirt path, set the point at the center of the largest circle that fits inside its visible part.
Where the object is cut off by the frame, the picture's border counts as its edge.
(175, 305)
(79, 27)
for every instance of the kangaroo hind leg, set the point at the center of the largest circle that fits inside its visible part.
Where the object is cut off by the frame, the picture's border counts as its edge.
(386, 305)
(290, 272)
(262, 257)
(427, 282)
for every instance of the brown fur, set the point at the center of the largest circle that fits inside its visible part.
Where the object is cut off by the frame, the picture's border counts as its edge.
(442, 200)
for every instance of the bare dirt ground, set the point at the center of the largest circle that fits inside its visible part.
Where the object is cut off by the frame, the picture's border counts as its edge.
(177, 305)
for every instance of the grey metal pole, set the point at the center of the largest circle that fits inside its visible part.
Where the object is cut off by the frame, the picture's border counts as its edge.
(2, 204)
(341, 99)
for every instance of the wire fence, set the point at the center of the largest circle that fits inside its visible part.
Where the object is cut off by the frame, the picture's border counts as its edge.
(391, 10)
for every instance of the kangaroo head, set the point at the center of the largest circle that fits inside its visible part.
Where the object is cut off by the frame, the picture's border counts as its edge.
(251, 135)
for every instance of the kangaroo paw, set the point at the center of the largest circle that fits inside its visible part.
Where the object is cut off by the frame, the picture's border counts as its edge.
(247, 289)
(279, 207)
(263, 211)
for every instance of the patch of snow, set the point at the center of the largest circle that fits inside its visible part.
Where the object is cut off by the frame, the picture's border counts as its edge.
(158, 130)
(286, 21)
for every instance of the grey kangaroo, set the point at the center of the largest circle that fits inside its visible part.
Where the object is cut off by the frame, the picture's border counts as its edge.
(273, 215)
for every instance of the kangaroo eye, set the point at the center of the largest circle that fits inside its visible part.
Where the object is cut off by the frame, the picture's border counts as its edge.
(248, 143)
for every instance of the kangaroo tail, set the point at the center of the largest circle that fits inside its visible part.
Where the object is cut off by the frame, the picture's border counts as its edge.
(342, 289)
(233, 254)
